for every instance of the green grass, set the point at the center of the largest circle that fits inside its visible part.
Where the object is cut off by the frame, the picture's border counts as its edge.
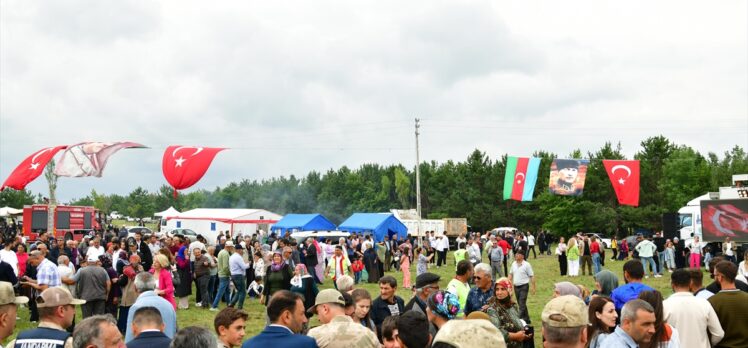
(545, 268)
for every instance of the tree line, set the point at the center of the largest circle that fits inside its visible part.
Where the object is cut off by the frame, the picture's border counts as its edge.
(671, 175)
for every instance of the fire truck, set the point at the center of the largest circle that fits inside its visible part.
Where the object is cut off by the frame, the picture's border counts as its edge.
(70, 222)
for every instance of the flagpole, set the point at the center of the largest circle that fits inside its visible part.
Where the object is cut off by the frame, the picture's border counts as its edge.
(418, 185)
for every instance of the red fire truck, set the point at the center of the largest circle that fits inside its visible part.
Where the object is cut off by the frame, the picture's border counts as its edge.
(71, 222)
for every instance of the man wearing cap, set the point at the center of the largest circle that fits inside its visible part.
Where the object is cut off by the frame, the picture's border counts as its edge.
(568, 171)
(9, 309)
(338, 329)
(565, 322)
(426, 284)
(238, 269)
(523, 278)
(224, 273)
(56, 312)
(94, 286)
(470, 334)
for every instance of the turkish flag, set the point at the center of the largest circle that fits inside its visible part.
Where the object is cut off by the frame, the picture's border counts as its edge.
(31, 168)
(624, 175)
(183, 166)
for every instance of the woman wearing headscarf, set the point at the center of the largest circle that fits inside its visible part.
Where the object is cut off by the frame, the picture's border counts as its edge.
(303, 283)
(112, 301)
(442, 306)
(184, 289)
(277, 276)
(504, 314)
(566, 288)
(605, 282)
(371, 261)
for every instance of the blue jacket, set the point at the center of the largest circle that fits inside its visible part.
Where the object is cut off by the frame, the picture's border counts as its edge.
(150, 299)
(627, 292)
(275, 336)
(150, 339)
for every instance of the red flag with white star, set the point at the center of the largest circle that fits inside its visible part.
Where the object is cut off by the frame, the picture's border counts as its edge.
(184, 166)
(624, 176)
(31, 168)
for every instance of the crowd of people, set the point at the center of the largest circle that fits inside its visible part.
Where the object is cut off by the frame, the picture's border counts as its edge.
(130, 289)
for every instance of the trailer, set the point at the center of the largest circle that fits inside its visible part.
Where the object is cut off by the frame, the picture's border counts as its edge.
(209, 222)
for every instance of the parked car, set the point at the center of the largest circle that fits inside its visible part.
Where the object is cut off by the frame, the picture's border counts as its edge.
(184, 232)
(131, 230)
(603, 239)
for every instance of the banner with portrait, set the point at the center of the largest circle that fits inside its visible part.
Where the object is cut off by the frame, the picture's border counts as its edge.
(567, 176)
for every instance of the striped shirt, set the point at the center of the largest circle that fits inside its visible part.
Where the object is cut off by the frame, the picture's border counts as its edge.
(47, 274)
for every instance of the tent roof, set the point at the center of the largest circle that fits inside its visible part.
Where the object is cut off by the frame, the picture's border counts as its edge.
(304, 222)
(229, 215)
(168, 212)
(379, 224)
(8, 211)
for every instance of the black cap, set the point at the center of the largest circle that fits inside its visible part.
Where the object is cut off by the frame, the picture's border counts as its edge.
(426, 279)
(566, 163)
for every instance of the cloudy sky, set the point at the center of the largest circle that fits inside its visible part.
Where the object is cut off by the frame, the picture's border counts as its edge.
(312, 85)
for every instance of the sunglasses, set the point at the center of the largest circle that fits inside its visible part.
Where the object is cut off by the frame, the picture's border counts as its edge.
(477, 278)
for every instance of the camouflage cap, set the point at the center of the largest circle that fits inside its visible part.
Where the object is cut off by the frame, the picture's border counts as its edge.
(565, 311)
(8, 296)
(470, 334)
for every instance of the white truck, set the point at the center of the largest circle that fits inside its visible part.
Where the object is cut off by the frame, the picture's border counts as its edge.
(726, 214)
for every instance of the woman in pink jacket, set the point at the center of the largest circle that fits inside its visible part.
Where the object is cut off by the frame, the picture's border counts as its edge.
(162, 270)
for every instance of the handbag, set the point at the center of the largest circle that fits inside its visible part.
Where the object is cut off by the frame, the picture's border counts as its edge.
(175, 279)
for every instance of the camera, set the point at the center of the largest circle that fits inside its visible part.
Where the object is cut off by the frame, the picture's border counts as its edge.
(529, 330)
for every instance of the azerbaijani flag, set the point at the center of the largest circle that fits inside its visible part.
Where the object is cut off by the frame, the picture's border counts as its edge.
(521, 176)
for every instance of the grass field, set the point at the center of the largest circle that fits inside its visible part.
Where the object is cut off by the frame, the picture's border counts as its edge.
(545, 268)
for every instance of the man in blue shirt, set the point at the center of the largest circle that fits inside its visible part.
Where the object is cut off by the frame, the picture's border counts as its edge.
(483, 289)
(633, 272)
(145, 283)
(637, 326)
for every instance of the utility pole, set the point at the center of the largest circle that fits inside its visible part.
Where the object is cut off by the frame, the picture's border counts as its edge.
(418, 185)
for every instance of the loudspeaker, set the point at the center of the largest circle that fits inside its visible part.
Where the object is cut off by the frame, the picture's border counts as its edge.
(670, 225)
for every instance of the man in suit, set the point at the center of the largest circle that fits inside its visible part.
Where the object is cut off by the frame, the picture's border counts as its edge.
(229, 324)
(148, 329)
(287, 318)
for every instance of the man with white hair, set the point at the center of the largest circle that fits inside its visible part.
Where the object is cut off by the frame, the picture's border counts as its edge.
(66, 270)
(479, 295)
(145, 283)
(99, 331)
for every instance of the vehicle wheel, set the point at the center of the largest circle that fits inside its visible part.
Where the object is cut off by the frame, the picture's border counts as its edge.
(68, 236)
(605, 246)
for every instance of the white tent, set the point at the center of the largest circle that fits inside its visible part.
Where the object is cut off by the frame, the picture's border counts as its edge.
(167, 213)
(8, 211)
(209, 222)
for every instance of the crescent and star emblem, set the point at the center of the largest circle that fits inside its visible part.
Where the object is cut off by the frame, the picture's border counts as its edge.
(519, 181)
(621, 166)
(181, 159)
(34, 163)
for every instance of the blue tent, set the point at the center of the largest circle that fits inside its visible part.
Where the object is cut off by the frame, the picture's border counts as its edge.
(378, 225)
(303, 222)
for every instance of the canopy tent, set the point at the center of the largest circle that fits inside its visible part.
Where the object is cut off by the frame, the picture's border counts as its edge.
(8, 211)
(377, 224)
(303, 222)
(167, 213)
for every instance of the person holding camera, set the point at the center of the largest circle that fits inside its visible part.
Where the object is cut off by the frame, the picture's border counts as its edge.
(504, 314)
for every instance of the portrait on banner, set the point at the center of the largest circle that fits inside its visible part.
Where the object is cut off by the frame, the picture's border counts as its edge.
(567, 176)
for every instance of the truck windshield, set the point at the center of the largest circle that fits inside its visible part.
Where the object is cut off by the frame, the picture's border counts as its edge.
(685, 220)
